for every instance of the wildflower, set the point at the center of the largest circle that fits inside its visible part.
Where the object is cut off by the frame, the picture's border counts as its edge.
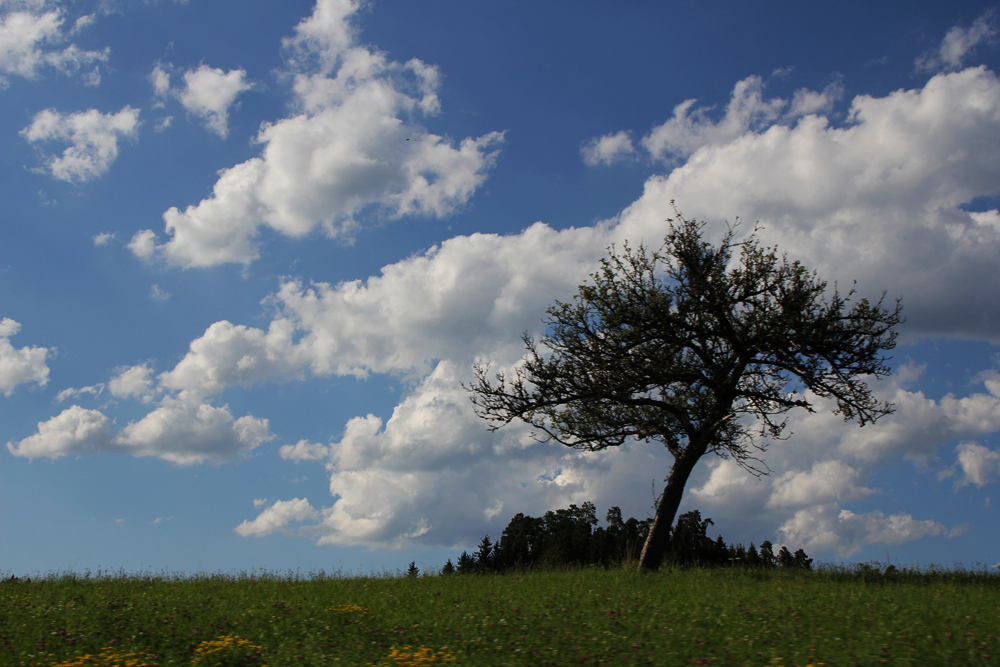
(227, 650)
(410, 657)
(109, 657)
(349, 609)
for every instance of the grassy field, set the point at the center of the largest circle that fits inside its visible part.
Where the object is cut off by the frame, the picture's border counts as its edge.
(672, 617)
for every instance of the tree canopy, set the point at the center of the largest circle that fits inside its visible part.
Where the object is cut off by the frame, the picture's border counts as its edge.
(571, 538)
(686, 347)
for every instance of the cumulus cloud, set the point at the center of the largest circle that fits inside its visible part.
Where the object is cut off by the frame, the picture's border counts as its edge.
(806, 101)
(981, 465)
(826, 481)
(182, 430)
(691, 127)
(827, 528)
(276, 517)
(207, 92)
(354, 148)
(608, 149)
(958, 43)
(749, 111)
(879, 199)
(431, 315)
(93, 138)
(826, 462)
(31, 40)
(75, 430)
(159, 78)
(432, 474)
(472, 293)
(228, 355)
(849, 199)
(133, 382)
(187, 431)
(20, 365)
(303, 450)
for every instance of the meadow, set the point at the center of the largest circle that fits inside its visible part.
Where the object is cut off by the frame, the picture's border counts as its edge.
(864, 615)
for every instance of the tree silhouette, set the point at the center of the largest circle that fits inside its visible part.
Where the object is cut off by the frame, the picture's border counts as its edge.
(570, 538)
(684, 347)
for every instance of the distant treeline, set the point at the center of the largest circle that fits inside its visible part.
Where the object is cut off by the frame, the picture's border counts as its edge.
(571, 538)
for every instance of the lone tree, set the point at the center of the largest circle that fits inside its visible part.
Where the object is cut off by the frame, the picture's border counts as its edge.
(684, 347)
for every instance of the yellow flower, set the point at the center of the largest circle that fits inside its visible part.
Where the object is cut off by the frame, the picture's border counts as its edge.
(108, 657)
(348, 609)
(410, 657)
(225, 650)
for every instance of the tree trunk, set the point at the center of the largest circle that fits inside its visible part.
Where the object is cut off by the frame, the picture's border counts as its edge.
(659, 533)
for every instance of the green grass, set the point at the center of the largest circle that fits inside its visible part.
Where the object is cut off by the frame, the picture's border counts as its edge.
(672, 617)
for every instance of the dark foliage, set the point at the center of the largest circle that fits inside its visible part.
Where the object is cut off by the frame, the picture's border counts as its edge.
(571, 538)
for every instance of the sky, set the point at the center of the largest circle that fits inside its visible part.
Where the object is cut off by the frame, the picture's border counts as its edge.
(251, 249)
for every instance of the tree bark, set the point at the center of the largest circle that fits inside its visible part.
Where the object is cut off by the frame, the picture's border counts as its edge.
(659, 532)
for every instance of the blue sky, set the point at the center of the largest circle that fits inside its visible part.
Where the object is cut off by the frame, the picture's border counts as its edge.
(249, 251)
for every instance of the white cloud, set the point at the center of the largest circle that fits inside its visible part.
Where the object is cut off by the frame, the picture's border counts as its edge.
(303, 450)
(160, 80)
(825, 528)
(182, 430)
(825, 464)
(104, 238)
(186, 431)
(455, 301)
(133, 382)
(143, 244)
(156, 293)
(93, 139)
(827, 481)
(83, 23)
(806, 101)
(432, 473)
(207, 92)
(980, 464)
(608, 149)
(30, 42)
(276, 517)
(816, 190)
(73, 431)
(20, 365)
(432, 314)
(354, 149)
(93, 390)
(228, 355)
(326, 35)
(464, 298)
(958, 43)
(691, 128)
(878, 200)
